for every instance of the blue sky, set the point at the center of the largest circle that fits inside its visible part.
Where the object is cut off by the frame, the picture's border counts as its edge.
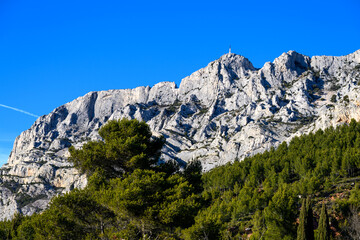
(52, 52)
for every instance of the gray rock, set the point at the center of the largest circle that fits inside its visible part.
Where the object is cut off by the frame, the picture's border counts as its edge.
(225, 111)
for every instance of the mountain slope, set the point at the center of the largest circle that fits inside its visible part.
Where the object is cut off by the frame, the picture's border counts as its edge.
(224, 111)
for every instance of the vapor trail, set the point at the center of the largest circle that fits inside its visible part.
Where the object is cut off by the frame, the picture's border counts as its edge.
(19, 110)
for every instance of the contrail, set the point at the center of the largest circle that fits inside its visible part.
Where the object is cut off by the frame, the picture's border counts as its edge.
(19, 110)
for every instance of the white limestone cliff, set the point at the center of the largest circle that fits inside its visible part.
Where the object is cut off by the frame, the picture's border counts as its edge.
(225, 111)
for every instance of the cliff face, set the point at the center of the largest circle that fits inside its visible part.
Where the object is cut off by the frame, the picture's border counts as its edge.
(224, 111)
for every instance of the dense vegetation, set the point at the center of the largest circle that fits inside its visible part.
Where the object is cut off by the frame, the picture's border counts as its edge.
(302, 190)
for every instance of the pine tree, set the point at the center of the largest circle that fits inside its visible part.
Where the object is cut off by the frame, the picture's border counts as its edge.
(301, 232)
(323, 232)
(127, 145)
(280, 215)
(305, 229)
(310, 223)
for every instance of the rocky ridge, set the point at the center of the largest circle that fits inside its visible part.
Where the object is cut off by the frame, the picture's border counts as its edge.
(225, 111)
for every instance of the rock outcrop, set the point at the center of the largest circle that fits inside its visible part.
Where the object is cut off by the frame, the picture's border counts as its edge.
(225, 111)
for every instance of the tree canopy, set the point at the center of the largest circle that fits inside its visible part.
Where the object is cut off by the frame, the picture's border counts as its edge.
(127, 145)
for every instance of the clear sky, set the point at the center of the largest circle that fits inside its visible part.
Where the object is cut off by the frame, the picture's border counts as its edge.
(52, 52)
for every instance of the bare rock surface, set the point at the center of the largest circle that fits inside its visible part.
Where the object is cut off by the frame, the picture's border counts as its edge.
(225, 111)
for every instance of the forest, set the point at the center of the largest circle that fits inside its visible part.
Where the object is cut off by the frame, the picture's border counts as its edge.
(308, 188)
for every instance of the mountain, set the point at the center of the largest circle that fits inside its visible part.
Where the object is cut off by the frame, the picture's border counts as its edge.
(225, 111)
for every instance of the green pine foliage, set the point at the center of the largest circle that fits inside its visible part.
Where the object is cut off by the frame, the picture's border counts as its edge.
(127, 145)
(301, 231)
(130, 196)
(280, 215)
(323, 231)
(310, 220)
(305, 229)
(309, 165)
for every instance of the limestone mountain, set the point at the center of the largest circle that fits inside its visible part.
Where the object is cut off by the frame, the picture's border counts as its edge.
(225, 111)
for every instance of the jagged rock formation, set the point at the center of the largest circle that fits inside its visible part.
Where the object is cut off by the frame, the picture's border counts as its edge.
(225, 111)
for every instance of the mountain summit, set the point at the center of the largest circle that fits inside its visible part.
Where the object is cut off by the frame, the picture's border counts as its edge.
(225, 111)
